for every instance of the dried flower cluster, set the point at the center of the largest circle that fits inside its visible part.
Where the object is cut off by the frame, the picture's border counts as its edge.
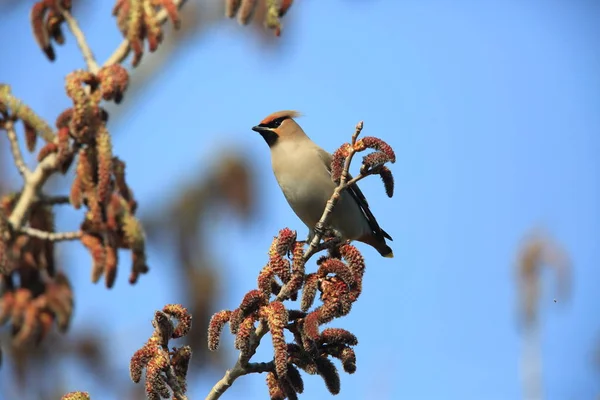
(244, 10)
(46, 20)
(33, 294)
(338, 280)
(137, 20)
(99, 182)
(165, 370)
(373, 163)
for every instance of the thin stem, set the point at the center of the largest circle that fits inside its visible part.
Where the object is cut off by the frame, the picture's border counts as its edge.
(50, 236)
(173, 383)
(55, 200)
(88, 56)
(121, 53)
(16, 150)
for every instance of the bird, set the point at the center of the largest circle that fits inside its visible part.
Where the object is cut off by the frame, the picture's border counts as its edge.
(303, 171)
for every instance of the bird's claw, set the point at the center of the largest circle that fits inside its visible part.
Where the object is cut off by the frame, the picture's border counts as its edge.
(319, 230)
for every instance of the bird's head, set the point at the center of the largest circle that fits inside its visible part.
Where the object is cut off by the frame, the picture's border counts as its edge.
(279, 126)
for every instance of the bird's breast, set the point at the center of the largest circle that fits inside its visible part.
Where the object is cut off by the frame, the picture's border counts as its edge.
(306, 185)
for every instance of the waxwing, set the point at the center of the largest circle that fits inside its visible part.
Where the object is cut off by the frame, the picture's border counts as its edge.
(303, 171)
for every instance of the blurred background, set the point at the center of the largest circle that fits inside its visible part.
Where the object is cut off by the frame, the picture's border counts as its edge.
(493, 111)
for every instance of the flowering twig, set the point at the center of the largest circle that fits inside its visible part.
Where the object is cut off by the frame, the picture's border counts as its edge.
(34, 295)
(166, 370)
(338, 292)
(23, 112)
(123, 50)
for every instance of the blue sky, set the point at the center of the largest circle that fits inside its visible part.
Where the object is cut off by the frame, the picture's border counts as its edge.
(492, 109)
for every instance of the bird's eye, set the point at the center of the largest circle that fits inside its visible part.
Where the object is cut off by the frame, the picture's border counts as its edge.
(276, 122)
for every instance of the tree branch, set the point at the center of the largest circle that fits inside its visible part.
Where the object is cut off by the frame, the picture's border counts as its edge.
(55, 200)
(88, 56)
(51, 236)
(121, 53)
(30, 190)
(16, 149)
(234, 373)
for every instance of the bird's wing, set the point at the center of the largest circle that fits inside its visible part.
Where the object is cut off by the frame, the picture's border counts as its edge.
(358, 196)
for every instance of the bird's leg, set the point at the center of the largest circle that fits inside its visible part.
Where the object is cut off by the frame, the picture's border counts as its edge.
(333, 244)
(319, 229)
(331, 241)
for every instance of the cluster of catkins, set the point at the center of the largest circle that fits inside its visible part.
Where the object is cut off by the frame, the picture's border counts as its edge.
(245, 10)
(33, 295)
(338, 280)
(166, 370)
(137, 20)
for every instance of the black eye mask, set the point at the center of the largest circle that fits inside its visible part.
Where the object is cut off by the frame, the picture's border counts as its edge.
(274, 124)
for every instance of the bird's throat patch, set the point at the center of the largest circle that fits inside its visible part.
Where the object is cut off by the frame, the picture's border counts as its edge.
(269, 136)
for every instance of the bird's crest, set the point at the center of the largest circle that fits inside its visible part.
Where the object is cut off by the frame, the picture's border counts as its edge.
(280, 114)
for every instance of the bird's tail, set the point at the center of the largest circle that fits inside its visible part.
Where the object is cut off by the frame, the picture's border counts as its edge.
(378, 244)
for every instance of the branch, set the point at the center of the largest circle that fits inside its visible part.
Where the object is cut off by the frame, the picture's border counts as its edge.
(55, 200)
(242, 367)
(50, 236)
(234, 373)
(16, 150)
(121, 53)
(88, 56)
(32, 185)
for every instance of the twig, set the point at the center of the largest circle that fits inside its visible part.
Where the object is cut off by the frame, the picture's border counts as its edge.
(234, 373)
(172, 381)
(54, 200)
(51, 236)
(124, 48)
(30, 190)
(531, 367)
(88, 56)
(16, 149)
(241, 367)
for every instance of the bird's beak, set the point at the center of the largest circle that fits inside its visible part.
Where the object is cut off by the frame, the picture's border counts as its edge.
(260, 129)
